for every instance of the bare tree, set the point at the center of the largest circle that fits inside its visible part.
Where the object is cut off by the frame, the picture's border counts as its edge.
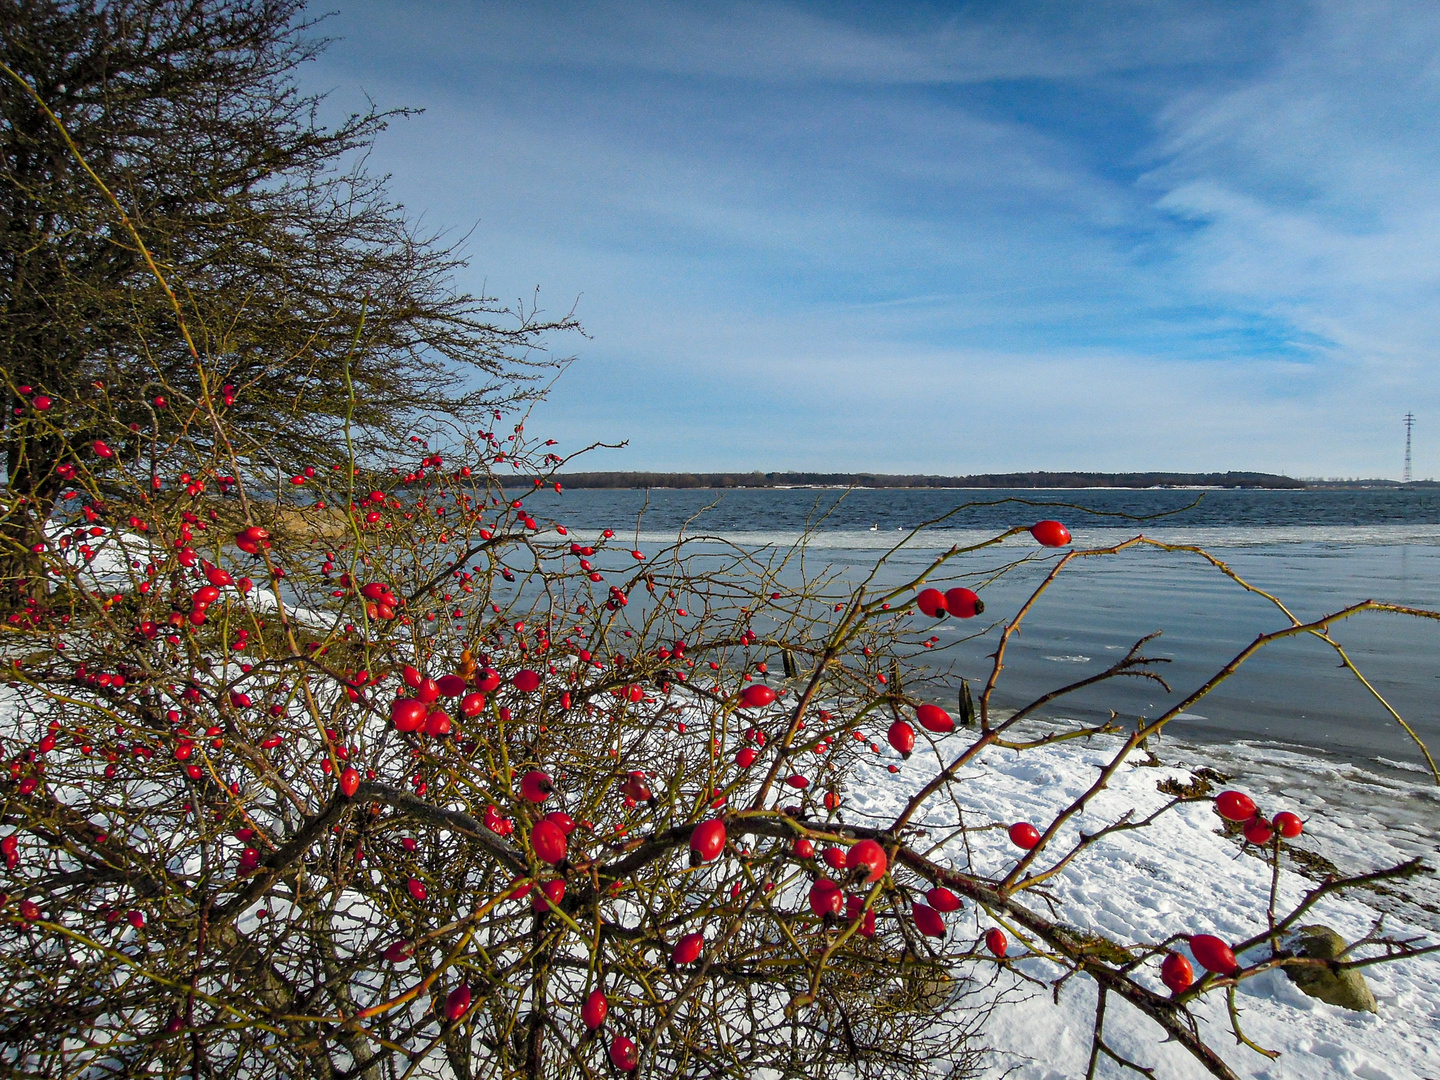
(190, 111)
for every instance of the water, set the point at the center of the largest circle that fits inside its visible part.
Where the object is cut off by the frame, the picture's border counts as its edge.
(771, 510)
(1316, 550)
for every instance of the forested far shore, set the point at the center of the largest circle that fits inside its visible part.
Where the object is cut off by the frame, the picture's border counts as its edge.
(900, 480)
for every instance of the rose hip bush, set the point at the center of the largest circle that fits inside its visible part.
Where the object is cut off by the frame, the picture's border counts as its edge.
(374, 772)
(404, 775)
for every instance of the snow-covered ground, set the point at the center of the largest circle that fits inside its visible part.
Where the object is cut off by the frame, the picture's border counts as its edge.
(1184, 875)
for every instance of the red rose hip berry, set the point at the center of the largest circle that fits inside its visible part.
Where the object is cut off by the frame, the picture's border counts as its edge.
(1235, 806)
(688, 949)
(593, 1012)
(1050, 534)
(707, 841)
(1288, 825)
(349, 782)
(457, 1003)
(756, 696)
(902, 737)
(826, 898)
(1176, 973)
(1024, 835)
(1258, 831)
(942, 899)
(867, 859)
(624, 1055)
(547, 840)
(928, 921)
(1214, 955)
(963, 604)
(933, 718)
(535, 786)
(407, 714)
(931, 602)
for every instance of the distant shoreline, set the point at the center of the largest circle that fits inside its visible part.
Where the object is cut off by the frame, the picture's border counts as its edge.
(980, 481)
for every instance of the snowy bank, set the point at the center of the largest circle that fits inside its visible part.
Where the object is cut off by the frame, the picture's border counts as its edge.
(1184, 875)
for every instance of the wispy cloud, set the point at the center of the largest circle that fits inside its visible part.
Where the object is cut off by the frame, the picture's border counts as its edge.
(944, 236)
(1316, 186)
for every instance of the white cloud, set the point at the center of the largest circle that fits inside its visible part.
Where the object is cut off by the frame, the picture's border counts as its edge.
(1028, 235)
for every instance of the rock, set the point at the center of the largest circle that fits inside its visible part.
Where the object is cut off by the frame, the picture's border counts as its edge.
(923, 988)
(935, 993)
(1346, 988)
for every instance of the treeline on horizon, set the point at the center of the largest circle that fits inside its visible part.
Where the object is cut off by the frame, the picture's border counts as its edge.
(900, 480)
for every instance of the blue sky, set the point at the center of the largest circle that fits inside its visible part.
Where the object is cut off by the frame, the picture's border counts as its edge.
(941, 237)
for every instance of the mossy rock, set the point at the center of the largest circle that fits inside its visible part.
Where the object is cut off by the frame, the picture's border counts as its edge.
(937, 992)
(924, 988)
(1346, 988)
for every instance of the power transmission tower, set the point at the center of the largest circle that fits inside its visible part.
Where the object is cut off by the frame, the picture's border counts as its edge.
(1409, 423)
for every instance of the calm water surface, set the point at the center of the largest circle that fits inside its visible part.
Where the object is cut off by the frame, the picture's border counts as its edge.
(1318, 551)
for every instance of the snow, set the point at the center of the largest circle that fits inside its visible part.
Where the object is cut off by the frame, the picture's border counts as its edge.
(1183, 875)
